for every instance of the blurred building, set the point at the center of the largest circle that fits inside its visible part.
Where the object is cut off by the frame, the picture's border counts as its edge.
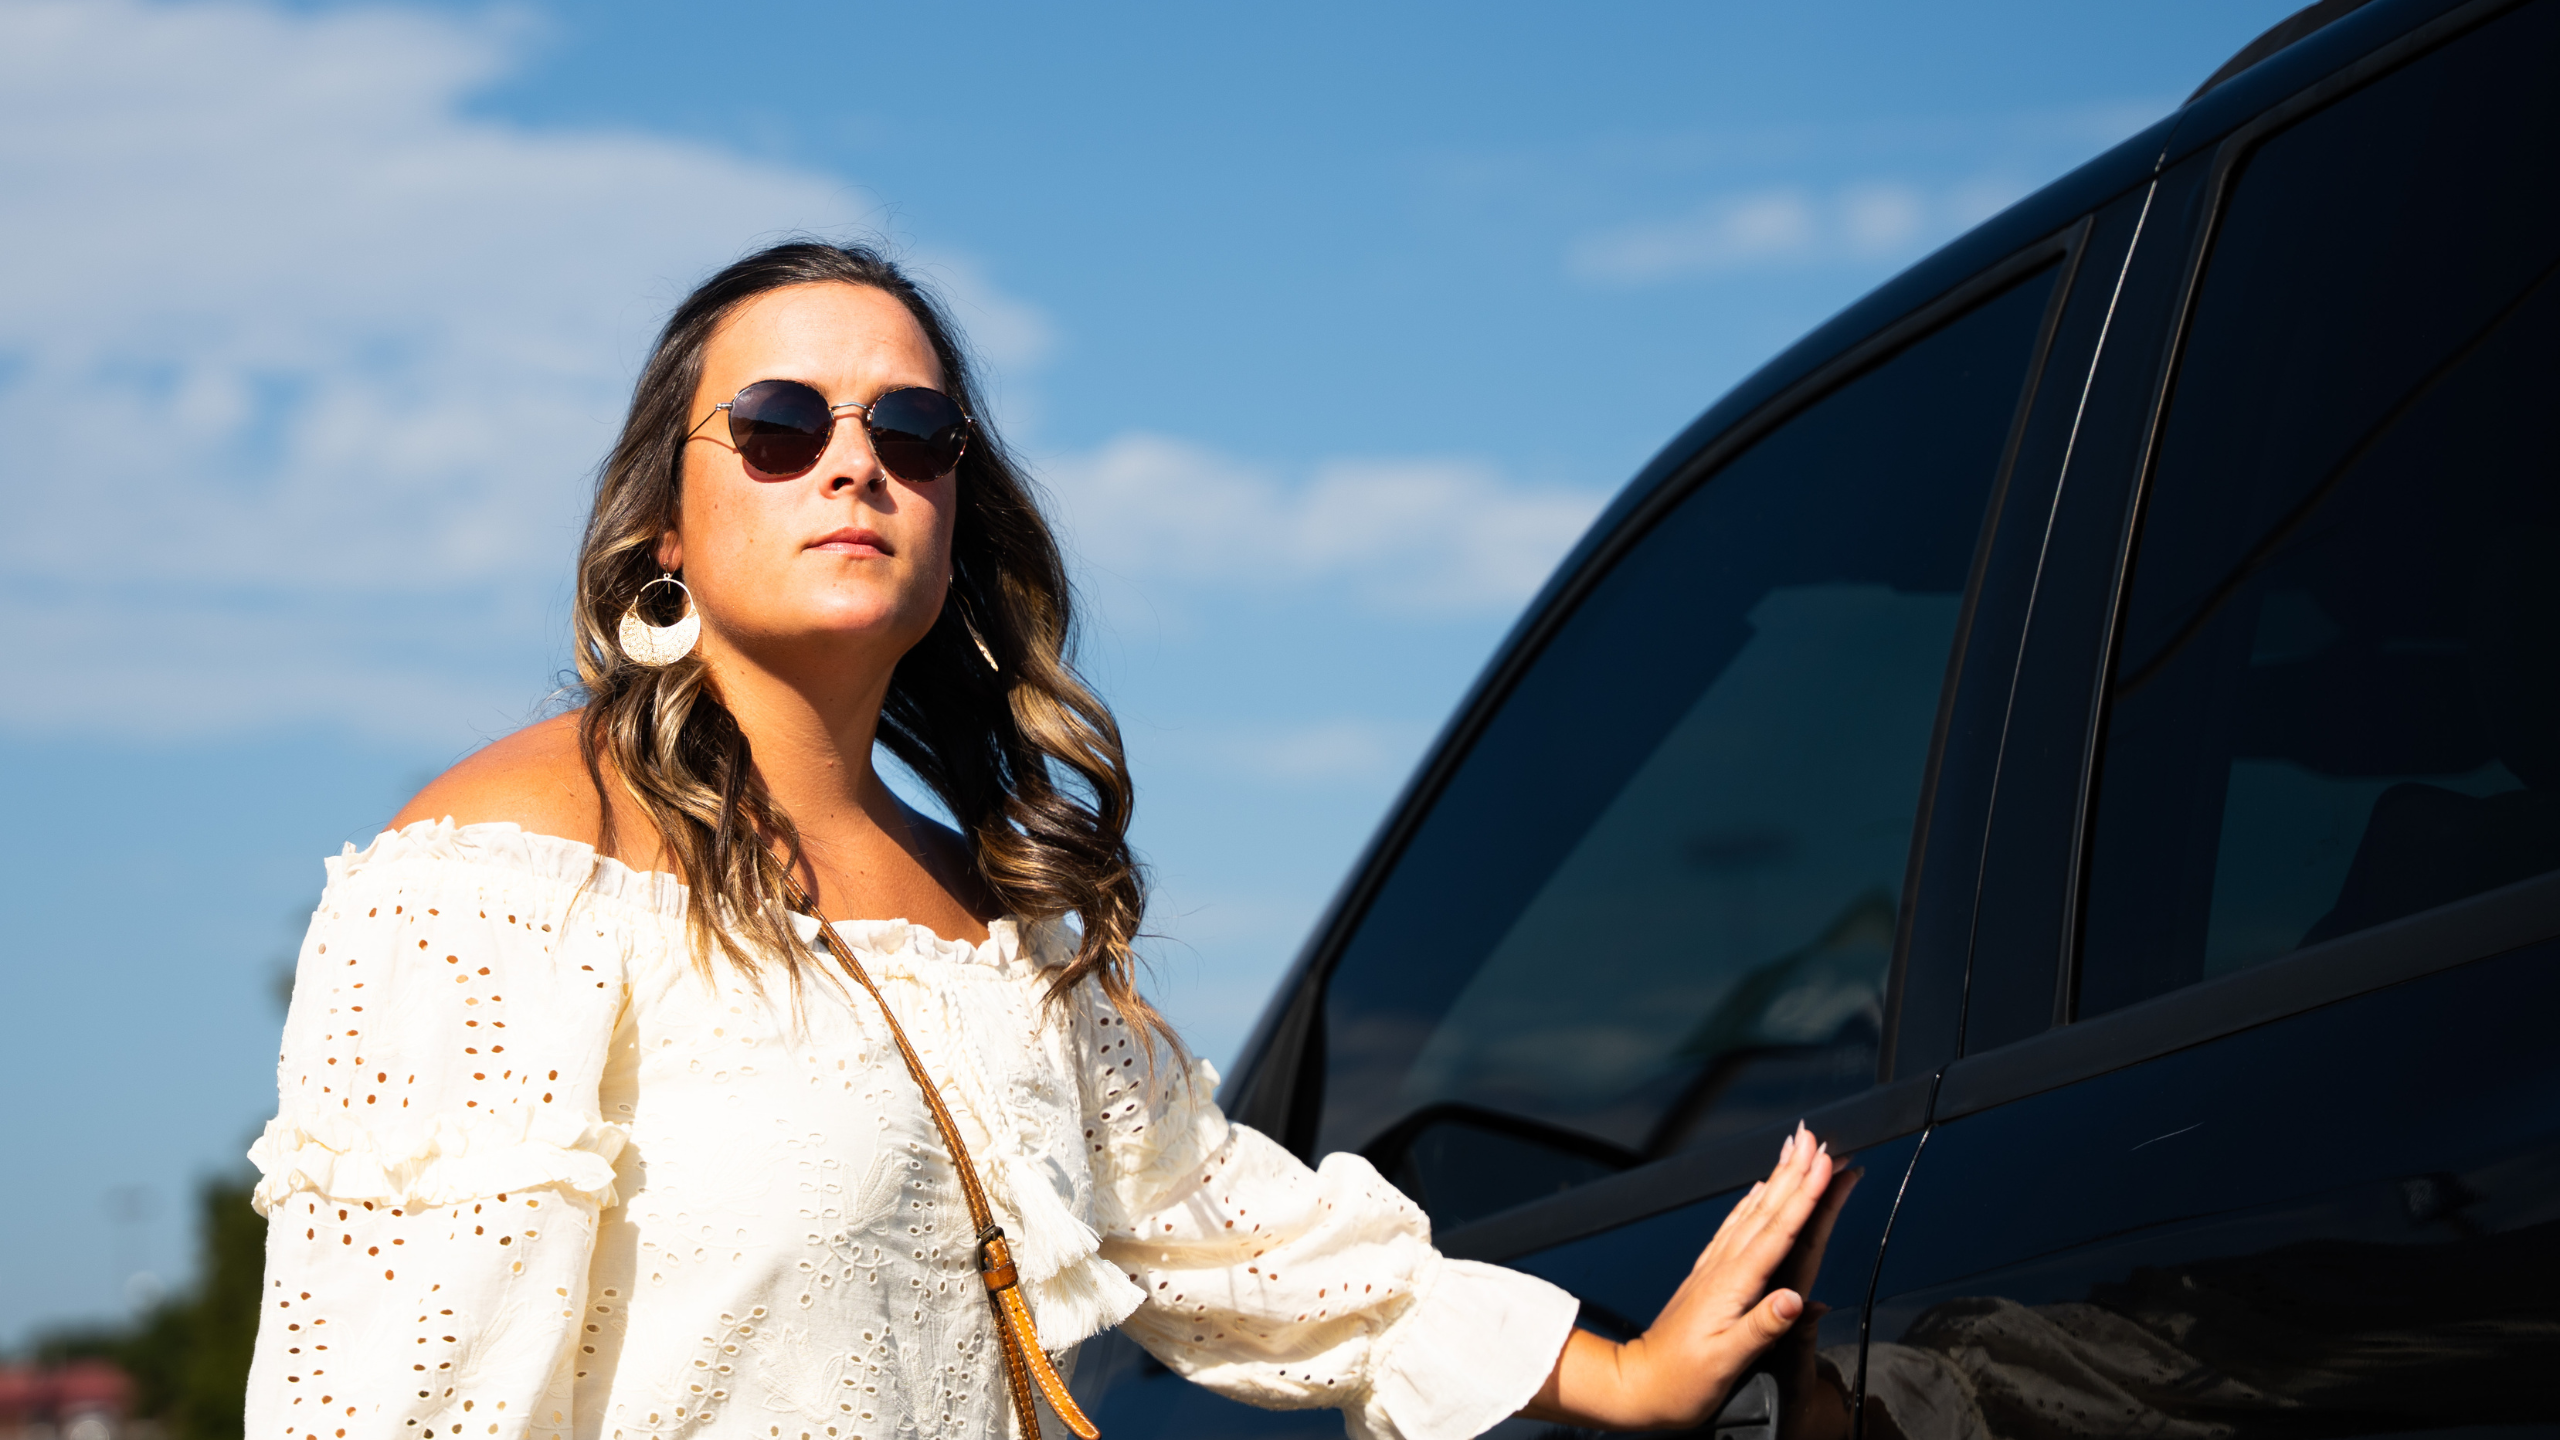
(77, 1400)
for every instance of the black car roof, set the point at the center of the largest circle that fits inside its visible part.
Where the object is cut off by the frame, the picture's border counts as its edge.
(2301, 23)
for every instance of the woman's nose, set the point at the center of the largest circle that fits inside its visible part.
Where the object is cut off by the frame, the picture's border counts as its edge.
(849, 461)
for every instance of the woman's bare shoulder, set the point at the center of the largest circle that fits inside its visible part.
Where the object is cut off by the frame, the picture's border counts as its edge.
(535, 778)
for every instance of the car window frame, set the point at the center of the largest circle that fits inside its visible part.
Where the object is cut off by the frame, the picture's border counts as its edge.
(2024, 911)
(1936, 975)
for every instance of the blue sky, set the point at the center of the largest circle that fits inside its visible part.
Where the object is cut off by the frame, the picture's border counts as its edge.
(1328, 327)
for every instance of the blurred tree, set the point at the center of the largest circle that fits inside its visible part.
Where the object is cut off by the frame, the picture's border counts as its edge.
(189, 1354)
(189, 1358)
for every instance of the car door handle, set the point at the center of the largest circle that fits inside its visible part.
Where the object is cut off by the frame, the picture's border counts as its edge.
(1752, 1412)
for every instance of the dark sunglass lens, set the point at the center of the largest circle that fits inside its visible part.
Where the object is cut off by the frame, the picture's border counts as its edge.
(919, 433)
(780, 427)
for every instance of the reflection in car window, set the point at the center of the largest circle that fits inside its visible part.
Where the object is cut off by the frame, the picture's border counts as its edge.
(2337, 696)
(1658, 901)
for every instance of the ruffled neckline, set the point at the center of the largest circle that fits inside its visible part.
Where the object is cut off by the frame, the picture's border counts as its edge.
(907, 939)
(509, 846)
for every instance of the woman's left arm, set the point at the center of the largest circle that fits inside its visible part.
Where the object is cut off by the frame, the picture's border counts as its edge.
(1289, 1287)
(1294, 1288)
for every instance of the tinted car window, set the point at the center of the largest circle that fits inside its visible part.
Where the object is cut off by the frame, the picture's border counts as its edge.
(1657, 902)
(2337, 694)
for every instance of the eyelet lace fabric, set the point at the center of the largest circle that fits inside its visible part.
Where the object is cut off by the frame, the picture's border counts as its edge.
(533, 1175)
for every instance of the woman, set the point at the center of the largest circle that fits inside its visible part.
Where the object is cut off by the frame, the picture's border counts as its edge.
(584, 1130)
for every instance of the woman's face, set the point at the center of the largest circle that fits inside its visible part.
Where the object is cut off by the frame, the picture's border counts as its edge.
(845, 556)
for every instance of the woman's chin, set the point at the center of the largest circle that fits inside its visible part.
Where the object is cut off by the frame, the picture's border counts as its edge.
(890, 634)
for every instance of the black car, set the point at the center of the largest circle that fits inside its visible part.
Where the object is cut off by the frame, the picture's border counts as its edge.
(2083, 729)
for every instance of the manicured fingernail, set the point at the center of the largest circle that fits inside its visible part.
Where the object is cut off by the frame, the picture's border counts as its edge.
(1825, 1148)
(1786, 1148)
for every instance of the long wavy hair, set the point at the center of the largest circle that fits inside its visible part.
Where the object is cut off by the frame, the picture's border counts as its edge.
(1025, 756)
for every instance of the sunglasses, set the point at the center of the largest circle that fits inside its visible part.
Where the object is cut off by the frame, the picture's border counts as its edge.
(781, 427)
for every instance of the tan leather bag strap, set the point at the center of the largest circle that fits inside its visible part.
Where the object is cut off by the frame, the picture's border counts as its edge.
(1025, 1363)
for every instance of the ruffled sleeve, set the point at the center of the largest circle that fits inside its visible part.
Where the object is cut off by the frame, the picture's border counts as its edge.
(1291, 1288)
(433, 1176)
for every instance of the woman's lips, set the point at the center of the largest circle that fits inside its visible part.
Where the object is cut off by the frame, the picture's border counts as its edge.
(852, 541)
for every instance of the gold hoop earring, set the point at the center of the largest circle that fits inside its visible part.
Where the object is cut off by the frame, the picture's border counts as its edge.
(660, 645)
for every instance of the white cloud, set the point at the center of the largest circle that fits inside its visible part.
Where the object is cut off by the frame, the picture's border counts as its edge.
(1419, 536)
(1881, 219)
(305, 365)
(1788, 226)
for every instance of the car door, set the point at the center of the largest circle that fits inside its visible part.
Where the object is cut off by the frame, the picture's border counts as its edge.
(2257, 1128)
(1656, 912)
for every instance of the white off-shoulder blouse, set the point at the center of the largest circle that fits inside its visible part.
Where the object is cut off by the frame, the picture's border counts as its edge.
(533, 1175)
